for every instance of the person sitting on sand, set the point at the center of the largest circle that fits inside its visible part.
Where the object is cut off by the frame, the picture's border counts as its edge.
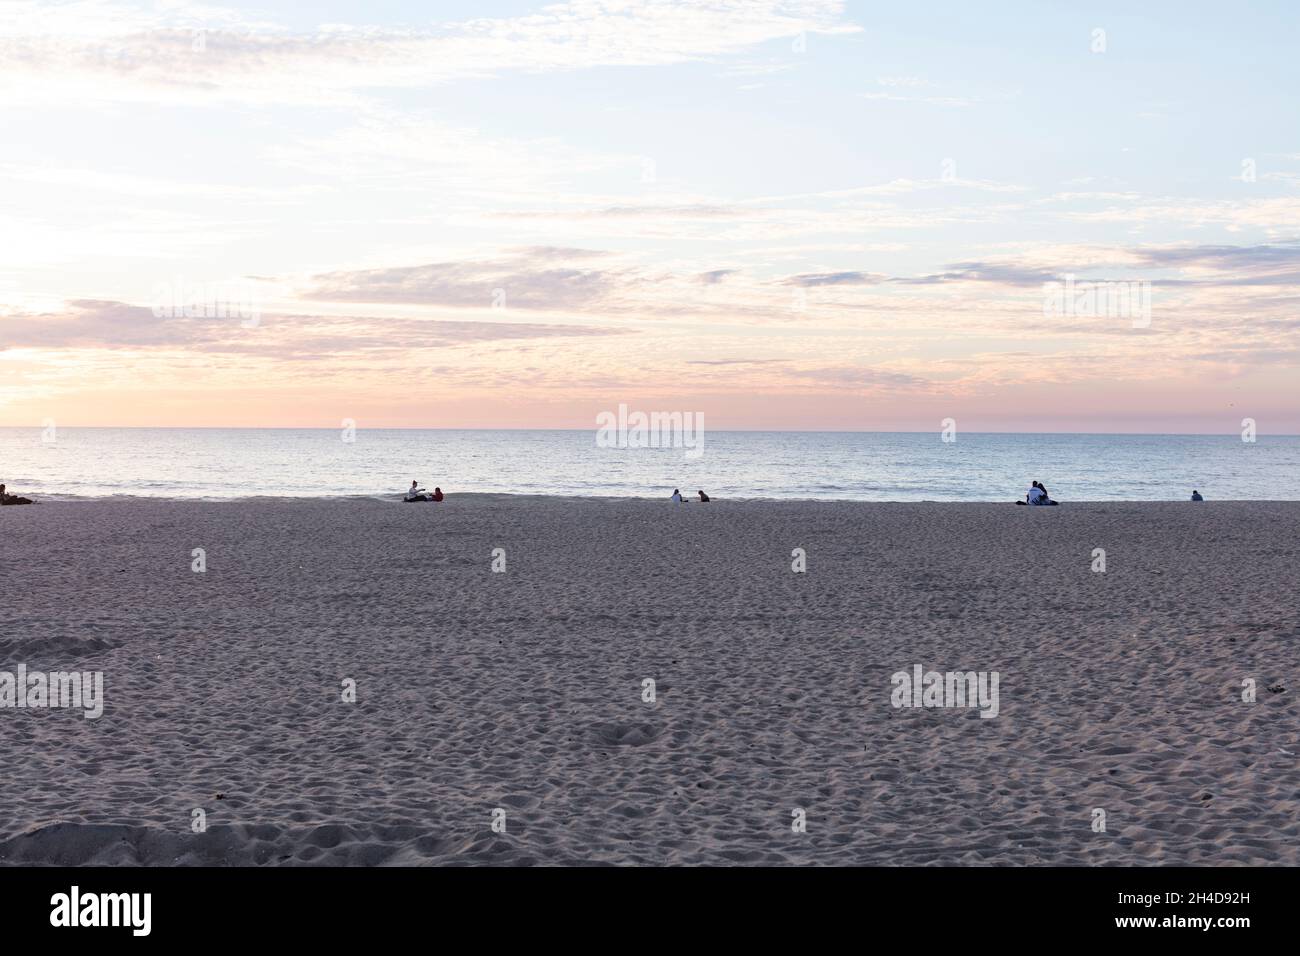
(1037, 496)
(677, 496)
(7, 499)
(1196, 495)
(437, 494)
(416, 493)
(703, 496)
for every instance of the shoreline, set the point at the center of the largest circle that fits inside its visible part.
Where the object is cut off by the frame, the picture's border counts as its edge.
(396, 498)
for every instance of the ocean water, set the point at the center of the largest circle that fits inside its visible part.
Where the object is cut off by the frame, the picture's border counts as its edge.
(867, 466)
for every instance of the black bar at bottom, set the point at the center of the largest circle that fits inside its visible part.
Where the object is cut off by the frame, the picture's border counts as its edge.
(333, 905)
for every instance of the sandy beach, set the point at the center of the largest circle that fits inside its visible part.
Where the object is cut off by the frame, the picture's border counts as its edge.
(522, 691)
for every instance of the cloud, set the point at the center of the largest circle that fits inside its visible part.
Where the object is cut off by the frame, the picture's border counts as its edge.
(553, 279)
(648, 211)
(857, 378)
(533, 278)
(94, 324)
(909, 82)
(189, 51)
(1224, 257)
(814, 279)
(1213, 265)
(1004, 273)
(545, 253)
(930, 100)
(1250, 356)
(1274, 213)
(768, 68)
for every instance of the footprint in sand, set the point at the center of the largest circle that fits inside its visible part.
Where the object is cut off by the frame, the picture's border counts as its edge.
(626, 734)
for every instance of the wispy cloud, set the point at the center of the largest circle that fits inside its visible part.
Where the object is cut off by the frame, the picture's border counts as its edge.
(88, 324)
(535, 278)
(835, 278)
(194, 52)
(917, 98)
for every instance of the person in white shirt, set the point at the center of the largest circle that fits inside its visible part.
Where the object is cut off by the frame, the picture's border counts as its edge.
(1038, 495)
(415, 493)
(677, 495)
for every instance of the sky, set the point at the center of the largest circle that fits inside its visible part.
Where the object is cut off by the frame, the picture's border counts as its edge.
(777, 215)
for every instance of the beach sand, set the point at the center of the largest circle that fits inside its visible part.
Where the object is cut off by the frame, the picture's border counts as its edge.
(1120, 691)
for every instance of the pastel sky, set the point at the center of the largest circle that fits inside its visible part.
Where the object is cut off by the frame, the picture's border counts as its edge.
(798, 214)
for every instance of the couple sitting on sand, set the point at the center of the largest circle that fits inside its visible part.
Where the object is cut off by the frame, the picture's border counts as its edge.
(1037, 496)
(7, 499)
(677, 496)
(416, 493)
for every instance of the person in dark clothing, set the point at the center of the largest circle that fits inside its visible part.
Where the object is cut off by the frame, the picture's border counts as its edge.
(8, 499)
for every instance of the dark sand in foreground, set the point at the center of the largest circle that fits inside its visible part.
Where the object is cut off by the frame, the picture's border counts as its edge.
(523, 690)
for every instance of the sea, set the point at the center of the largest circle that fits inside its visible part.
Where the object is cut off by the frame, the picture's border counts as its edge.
(224, 463)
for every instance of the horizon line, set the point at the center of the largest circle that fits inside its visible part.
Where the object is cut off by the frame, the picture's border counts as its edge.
(770, 431)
